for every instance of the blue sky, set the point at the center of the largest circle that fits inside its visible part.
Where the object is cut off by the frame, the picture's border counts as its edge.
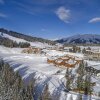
(51, 19)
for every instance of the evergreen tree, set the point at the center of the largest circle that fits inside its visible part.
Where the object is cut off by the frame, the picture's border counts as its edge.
(12, 86)
(81, 68)
(81, 73)
(69, 78)
(88, 87)
(84, 51)
(88, 48)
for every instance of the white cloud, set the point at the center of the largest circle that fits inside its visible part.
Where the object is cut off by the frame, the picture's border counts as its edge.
(63, 14)
(3, 15)
(94, 20)
(1, 1)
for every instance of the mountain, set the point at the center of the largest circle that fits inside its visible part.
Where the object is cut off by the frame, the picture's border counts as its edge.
(81, 39)
(22, 37)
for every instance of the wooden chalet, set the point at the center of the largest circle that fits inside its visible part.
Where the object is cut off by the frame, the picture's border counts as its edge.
(32, 50)
(65, 61)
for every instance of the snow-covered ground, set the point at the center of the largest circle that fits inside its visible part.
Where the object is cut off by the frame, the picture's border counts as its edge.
(32, 65)
(60, 53)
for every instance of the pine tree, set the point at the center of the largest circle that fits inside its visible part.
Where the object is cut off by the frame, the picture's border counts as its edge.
(84, 51)
(69, 78)
(88, 87)
(88, 48)
(81, 68)
(12, 86)
(81, 73)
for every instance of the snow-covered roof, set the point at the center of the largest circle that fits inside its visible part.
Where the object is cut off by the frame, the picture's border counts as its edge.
(71, 61)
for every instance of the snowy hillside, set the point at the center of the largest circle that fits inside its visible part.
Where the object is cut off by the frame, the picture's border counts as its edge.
(81, 39)
(23, 36)
(12, 38)
(32, 65)
(37, 44)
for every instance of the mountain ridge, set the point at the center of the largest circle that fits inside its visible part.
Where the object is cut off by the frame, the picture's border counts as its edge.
(81, 39)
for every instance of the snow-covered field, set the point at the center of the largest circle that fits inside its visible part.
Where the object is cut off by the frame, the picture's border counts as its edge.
(32, 65)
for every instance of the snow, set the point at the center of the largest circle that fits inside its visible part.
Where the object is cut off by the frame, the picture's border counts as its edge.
(35, 62)
(93, 48)
(36, 44)
(71, 61)
(60, 53)
(6, 50)
(35, 65)
(97, 88)
(82, 38)
(13, 38)
(94, 64)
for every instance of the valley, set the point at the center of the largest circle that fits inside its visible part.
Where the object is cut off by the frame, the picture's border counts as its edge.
(49, 64)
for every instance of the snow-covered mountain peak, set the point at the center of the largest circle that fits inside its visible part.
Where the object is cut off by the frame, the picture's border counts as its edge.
(81, 39)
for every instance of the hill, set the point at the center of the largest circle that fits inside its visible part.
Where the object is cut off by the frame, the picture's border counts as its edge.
(25, 37)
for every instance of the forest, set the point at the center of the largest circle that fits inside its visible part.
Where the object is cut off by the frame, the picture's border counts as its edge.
(12, 87)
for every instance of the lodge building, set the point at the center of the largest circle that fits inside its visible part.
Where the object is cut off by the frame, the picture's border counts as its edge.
(92, 55)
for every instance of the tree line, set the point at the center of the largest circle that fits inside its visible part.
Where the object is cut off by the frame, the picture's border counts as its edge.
(10, 43)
